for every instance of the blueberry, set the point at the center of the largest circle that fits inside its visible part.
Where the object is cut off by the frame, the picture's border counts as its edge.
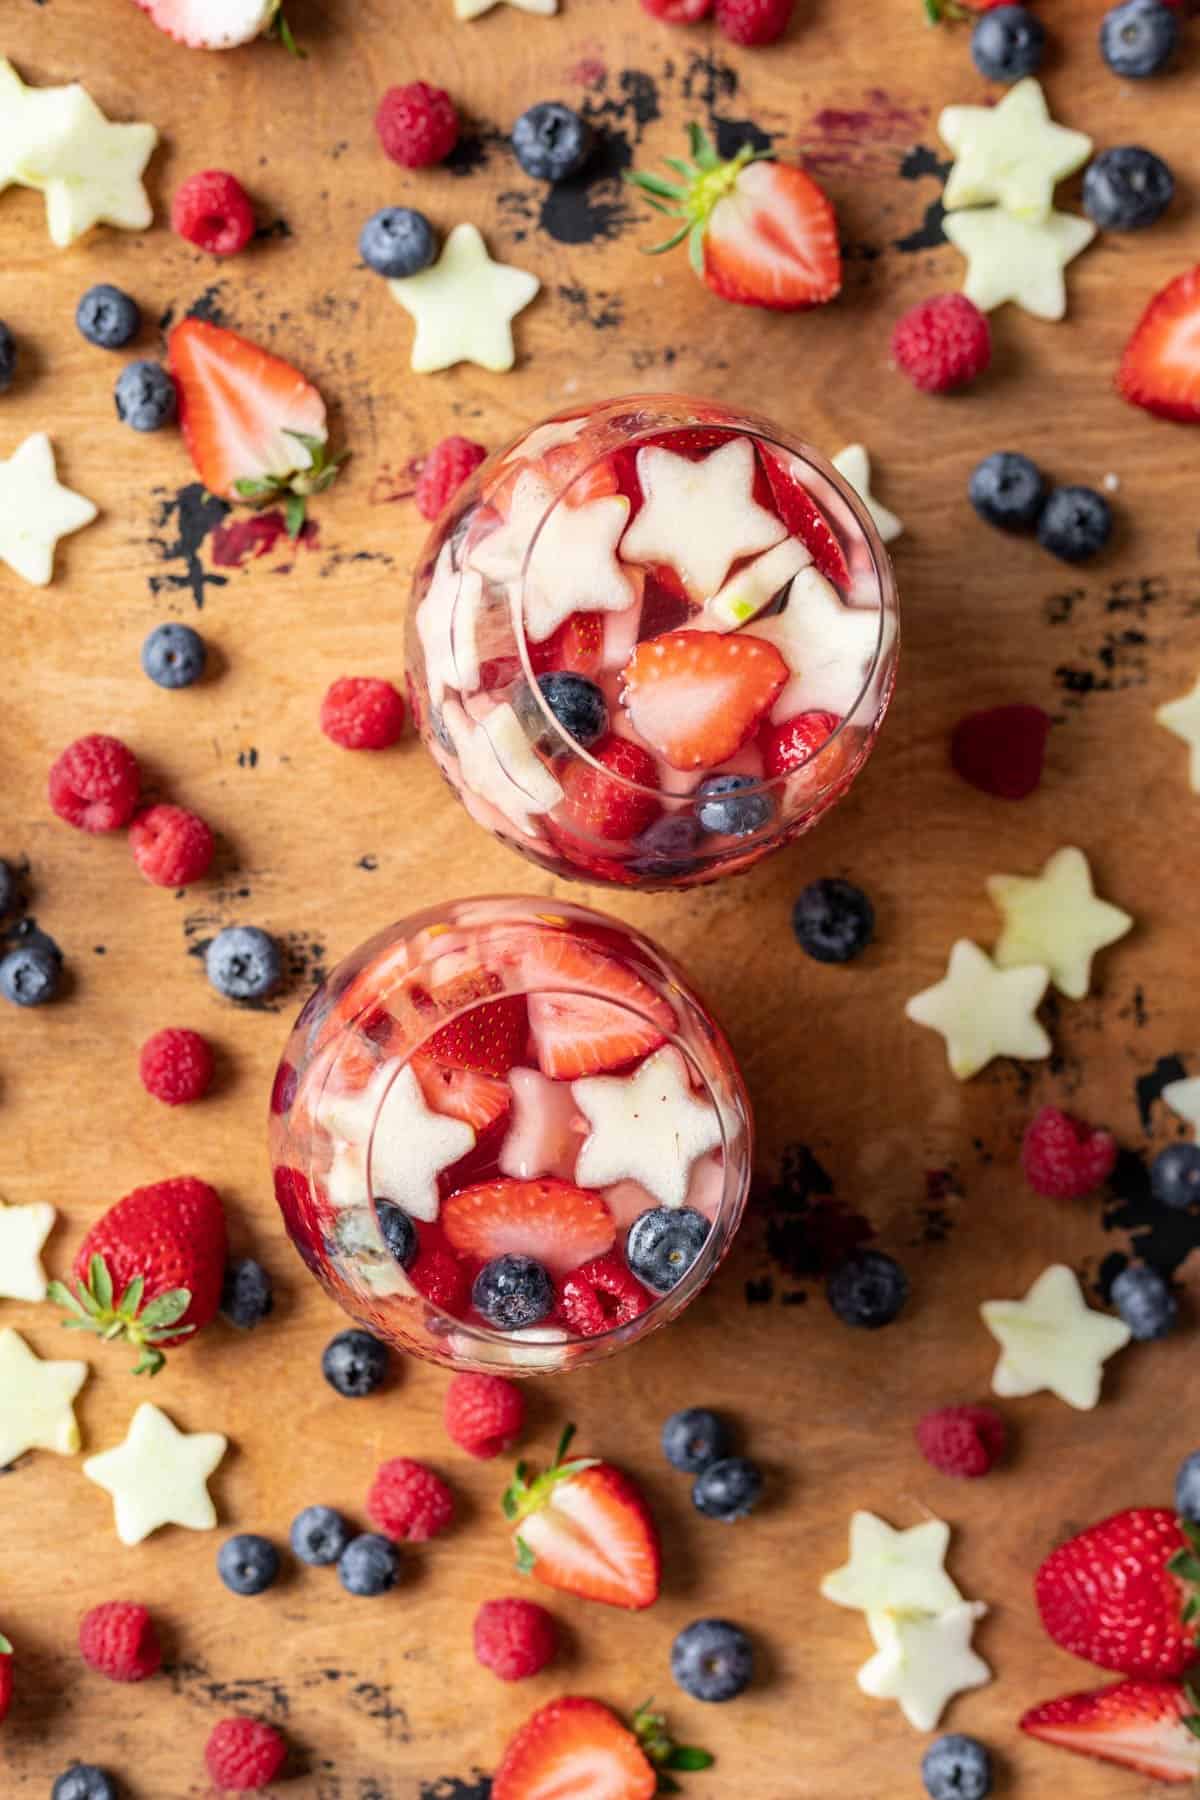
(319, 1535)
(1075, 523)
(84, 1782)
(173, 656)
(243, 963)
(663, 1243)
(1007, 43)
(1127, 188)
(397, 242)
(8, 358)
(577, 704)
(512, 1292)
(10, 889)
(722, 807)
(1187, 1487)
(1007, 490)
(1139, 37)
(354, 1363)
(868, 1289)
(956, 1768)
(833, 920)
(728, 1490)
(248, 1564)
(551, 141)
(30, 975)
(1175, 1175)
(1145, 1302)
(712, 1660)
(669, 846)
(399, 1232)
(247, 1297)
(107, 317)
(369, 1565)
(694, 1438)
(145, 396)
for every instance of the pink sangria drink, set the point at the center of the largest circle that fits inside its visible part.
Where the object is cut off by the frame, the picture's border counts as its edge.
(506, 1134)
(651, 641)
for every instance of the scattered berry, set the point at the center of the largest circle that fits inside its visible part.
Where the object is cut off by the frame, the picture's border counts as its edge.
(1175, 1175)
(243, 962)
(1008, 42)
(369, 1566)
(956, 1768)
(360, 712)
(1001, 750)
(318, 1536)
(728, 1489)
(577, 703)
(1127, 188)
(94, 783)
(398, 242)
(1139, 37)
(514, 1638)
(145, 396)
(663, 1243)
(567, 1743)
(443, 472)
(244, 1754)
(107, 317)
(409, 1502)
(754, 22)
(833, 920)
(712, 1660)
(962, 1440)
(171, 846)
(173, 656)
(30, 975)
(694, 1438)
(398, 1232)
(118, 1639)
(513, 1292)
(1160, 368)
(417, 125)
(787, 747)
(551, 141)
(614, 801)
(583, 1527)
(8, 358)
(678, 12)
(1187, 1488)
(601, 1295)
(248, 1564)
(867, 1290)
(484, 1414)
(1007, 490)
(725, 807)
(212, 210)
(176, 1066)
(247, 1294)
(1145, 1302)
(943, 343)
(84, 1781)
(1116, 1594)
(1074, 524)
(1064, 1158)
(354, 1364)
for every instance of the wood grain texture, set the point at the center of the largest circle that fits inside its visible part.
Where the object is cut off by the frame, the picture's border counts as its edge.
(383, 1700)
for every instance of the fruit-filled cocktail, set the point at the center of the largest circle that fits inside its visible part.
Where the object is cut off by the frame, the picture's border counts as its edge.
(651, 641)
(506, 1133)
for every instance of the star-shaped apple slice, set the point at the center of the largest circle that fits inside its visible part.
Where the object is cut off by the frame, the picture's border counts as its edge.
(158, 1475)
(699, 518)
(1057, 920)
(853, 464)
(23, 1232)
(923, 1659)
(36, 1411)
(648, 1127)
(1182, 718)
(983, 1011)
(1016, 259)
(36, 510)
(464, 306)
(573, 566)
(408, 1143)
(1012, 153)
(894, 1571)
(1052, 1341)
(497, 762)
(829, 647)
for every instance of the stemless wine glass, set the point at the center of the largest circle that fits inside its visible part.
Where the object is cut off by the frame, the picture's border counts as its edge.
(507, 1134)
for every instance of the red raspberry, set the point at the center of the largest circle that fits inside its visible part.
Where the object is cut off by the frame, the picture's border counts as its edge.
(789, 746)
(94, 783)
(170, 846)
(176, 1065)
(409, 1502)
(484, 1414)
(118, 1639)
(942, 343)
(359, 712)
(417, 124)
(1001, 750)
(1064, 1158)
(754, 21)
(679, 12)
(212, 210)
(441, 1278)
(963, 1440)
(244, 1753)
(514, 1638)
(600, 1295)
(443, 472)
(6, 1677)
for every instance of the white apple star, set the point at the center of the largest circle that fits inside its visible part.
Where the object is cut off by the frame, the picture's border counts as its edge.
(983, 1011)
(36, 510)
(409, 1144)
(1013, 259)
(497, 763)
(923, 1659)
(157, 1476)
(501, 553)
(35, 1401)
(829, 647)
(1055, 919)
(894, 1571)
(1182, 718)
(647, 1127)
(89, 169)
(475, 9)
(699, 517)
(1012, 152)
(573, 566)
(853, 464)
(466, 622)
(753, 586)
(1052, 1341)
(542, 1138)
(434, 617)
(1183, 1098)
(23, 1231)
(464, 306)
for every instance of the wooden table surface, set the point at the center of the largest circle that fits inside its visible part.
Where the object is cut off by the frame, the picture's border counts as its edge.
(383, 1701)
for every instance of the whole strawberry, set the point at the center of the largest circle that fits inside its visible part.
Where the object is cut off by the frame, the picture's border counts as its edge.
(6, 1677)
(1125, 1594)
(150, 1270)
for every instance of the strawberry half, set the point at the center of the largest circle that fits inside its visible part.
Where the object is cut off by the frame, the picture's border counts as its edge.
(788, 746)
(577, 645)
(599, 805)
(759, 232)
(1151, 1726)
(217, 24)
(1125, 1594)
(478, 1100)
(696, 696)
(254, 427)
(805, 520)
(488, 1040)
(562, 1226)
(588, 1013)
(583, 1528)
(576, 1749)
(1160, 369)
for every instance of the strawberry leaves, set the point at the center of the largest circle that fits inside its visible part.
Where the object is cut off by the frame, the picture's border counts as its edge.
(523, 1496)
(319, 473)
(6, 1648)
(701, 182)
(650, 1729)
(94, 1307)
(1185, 1566)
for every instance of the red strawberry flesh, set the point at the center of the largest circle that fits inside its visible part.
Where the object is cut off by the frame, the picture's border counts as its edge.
(1139, 1724)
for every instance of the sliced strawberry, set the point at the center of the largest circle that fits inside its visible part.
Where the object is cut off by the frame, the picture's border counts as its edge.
(574, 1749)
(488, 1040)
(212, 24)
(696, 696)
(583, 1527)
(1160, 369)
(438, 1274)
(598, 805)
(587, 1011)
(478, 1100)
(559, 1225)
(577, 646)
(600, 1295)
(789, 746)
(805, 520)
(1150, 1726)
